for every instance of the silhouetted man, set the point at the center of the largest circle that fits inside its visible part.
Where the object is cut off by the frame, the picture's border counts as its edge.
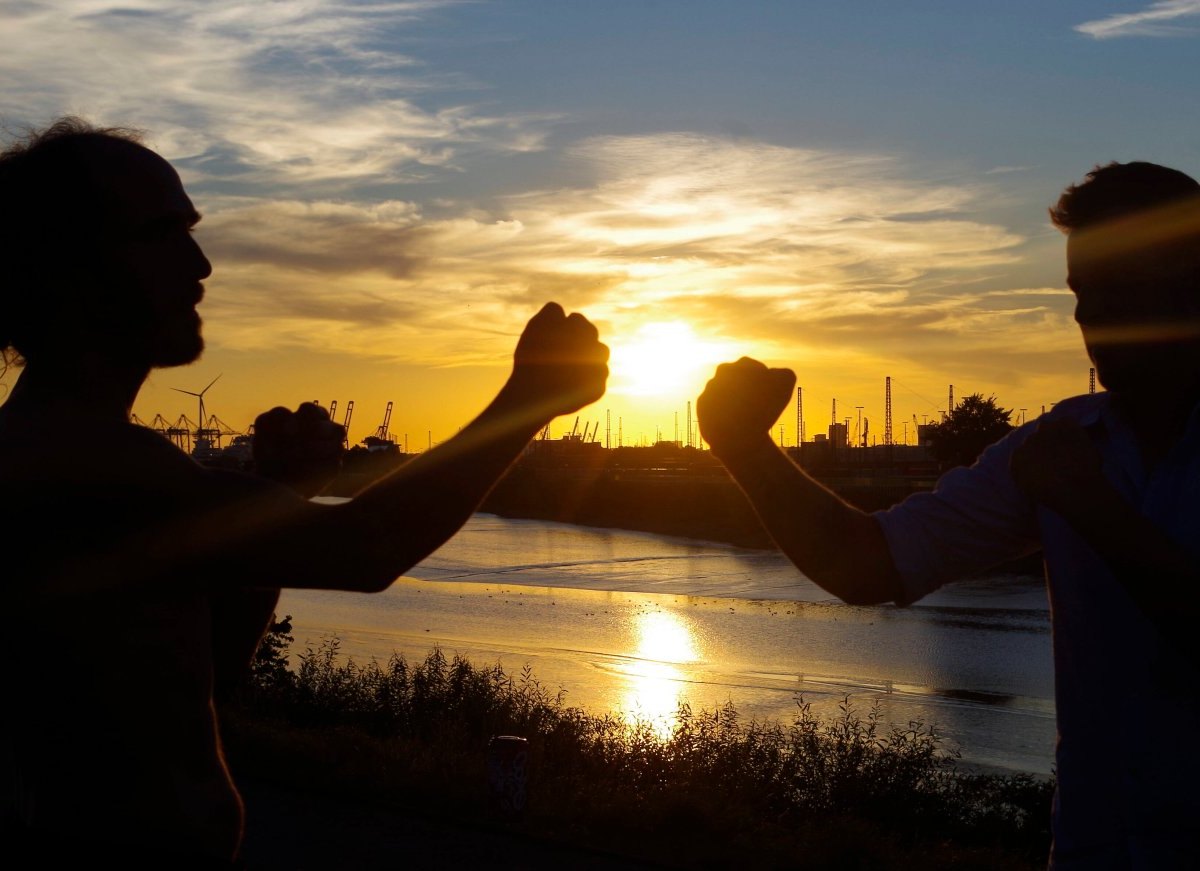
(138, 582)
(1107, 485)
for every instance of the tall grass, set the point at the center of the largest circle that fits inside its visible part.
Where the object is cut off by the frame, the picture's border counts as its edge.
(718, 790)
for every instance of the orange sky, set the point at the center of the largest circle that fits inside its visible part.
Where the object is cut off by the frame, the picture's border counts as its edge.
(391, 190)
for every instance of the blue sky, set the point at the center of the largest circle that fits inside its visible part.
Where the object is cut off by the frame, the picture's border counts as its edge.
(852, 189)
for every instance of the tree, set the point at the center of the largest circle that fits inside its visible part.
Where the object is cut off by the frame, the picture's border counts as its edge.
(969, 428)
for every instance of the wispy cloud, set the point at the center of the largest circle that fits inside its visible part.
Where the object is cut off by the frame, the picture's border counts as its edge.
(1159, 19)
(777, 247)
(292, 92)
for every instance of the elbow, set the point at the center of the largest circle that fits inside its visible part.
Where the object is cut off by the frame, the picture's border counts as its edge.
(378, 573)
(859, 584)
(379, 577)
(377, 583)
(865, 595)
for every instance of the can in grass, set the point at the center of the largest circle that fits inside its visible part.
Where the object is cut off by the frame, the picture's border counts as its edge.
(508, 773)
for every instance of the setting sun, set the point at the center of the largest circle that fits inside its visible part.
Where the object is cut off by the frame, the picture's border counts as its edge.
(664, 358)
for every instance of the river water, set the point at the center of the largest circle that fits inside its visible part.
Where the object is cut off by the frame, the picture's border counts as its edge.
(635, 623)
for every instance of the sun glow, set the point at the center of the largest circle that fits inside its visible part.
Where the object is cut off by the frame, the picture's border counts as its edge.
(663, 358)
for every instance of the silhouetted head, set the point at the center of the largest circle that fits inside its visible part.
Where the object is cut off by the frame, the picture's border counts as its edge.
(1133, 261)
(96, 252)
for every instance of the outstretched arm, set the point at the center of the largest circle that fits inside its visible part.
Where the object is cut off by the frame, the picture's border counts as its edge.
(235, 534)
(838, 546)
(559, 366)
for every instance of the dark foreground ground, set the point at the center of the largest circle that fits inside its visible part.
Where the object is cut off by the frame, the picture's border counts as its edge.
(288, 830)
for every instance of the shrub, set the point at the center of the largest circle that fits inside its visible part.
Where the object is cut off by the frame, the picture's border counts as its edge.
(715, 785)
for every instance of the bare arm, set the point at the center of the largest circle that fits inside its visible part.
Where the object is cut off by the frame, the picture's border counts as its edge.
(838, 546)
(268, 536)
(559, 366)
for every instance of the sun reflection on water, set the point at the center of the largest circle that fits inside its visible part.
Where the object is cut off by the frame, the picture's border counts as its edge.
(664, 642)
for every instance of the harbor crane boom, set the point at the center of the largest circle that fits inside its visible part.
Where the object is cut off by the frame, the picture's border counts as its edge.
(346, 424)
(382, 432)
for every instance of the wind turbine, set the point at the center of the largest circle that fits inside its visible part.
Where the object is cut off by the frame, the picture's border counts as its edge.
(202, 420)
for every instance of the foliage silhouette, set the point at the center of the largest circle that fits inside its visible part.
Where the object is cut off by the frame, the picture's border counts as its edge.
(970, 427)
(718, 788)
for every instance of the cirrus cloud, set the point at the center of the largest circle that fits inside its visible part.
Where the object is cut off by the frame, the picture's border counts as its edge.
(1159, 19)
(290, 94)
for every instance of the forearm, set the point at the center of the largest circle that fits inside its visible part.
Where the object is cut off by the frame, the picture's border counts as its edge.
(269, 536)
(838, 546)
(265, 534)
(407, 515)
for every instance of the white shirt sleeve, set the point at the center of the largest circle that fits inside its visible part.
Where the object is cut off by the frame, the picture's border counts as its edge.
(974, 518)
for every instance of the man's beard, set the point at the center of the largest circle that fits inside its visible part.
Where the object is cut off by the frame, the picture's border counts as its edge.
(179, 345)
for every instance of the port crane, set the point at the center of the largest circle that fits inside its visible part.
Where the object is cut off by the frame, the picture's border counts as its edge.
(180, 432)
(346, 424)
(382, 433)
(159, 425)
(333, 406)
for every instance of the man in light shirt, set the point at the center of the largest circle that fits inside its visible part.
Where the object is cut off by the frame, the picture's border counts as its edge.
(1107, 485)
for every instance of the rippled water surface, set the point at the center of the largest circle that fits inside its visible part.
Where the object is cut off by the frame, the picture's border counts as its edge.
(637, 623)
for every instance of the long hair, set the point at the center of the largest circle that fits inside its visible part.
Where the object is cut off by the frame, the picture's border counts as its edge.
(48, 214)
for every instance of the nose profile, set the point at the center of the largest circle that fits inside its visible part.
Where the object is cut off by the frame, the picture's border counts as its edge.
(1084, 313)
(203, 265)
(1098, 307)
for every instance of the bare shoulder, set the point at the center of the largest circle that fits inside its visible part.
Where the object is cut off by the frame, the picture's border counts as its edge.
(34, 451)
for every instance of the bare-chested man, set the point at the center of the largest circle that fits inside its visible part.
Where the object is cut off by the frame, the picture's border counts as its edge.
(136, 580)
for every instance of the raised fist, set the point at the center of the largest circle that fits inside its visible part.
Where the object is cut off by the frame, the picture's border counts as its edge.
(559, 365)
(741, 403)
(301, 448)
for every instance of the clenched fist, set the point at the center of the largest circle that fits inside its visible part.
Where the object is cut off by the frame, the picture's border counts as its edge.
(559, 365)
(741, 403)
(301, 448)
